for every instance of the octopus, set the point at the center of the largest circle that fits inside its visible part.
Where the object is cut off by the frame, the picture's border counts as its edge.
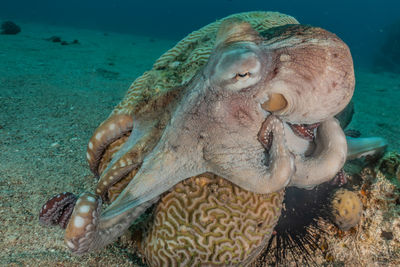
(211, 136)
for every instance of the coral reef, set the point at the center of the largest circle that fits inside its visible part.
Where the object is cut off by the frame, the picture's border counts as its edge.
(9, 27)
(201, 222)
(390, 165)
(58, 210)
(374, 241)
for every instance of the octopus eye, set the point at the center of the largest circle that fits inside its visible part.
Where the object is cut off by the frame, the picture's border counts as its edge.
(242, 76)
(237, 68)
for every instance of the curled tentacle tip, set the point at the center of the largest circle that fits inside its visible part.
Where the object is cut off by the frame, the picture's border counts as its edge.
(265, 135)
(82, 227)
(57, 210)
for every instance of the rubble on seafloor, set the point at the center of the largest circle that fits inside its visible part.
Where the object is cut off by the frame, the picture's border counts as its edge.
(375, 241)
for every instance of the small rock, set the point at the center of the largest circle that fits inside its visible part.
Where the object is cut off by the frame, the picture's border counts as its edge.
(9, 27)
(54, 39)
(55, 144)
(387, 235)
(12, 238)
(108, 74)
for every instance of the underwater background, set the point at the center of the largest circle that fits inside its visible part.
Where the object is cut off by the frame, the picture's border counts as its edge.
(361, 24)
(73, 61)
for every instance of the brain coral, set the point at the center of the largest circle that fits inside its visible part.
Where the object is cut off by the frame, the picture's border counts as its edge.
(201, 221)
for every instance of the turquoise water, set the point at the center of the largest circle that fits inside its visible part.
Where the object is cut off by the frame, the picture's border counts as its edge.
(361, 24)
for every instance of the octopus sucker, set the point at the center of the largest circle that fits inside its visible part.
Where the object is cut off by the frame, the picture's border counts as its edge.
(113, 177)
(306, 131)
(112, 129)
(88, 231)
(282, 167)
(83, 222)
(57, 210)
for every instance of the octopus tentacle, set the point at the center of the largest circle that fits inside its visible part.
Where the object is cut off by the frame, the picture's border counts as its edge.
(57, 210)
(279, 166)
(340, 178)
(110, 130)
(83, 223)
(110, 152)
(366, 146)
(122, 169)
(142, 140)
(87, 230)
(327, 159)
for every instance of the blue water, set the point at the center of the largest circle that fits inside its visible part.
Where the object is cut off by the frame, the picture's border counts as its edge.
(361, 24)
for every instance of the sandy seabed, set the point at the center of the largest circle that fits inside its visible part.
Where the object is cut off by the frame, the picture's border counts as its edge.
(52, 98)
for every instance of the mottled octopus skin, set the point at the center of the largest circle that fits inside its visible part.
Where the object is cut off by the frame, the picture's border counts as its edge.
(211, 119)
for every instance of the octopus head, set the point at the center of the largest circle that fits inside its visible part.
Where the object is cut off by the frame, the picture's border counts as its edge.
(311, 77)
(292, 80)
(302, 74)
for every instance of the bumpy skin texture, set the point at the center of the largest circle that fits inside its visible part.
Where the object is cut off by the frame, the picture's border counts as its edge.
(228, 114)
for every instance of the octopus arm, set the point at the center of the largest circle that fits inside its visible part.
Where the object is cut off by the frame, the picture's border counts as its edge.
(257, 170)
(88, 231)
(112, 129)
(327, 159)
(361, 147)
